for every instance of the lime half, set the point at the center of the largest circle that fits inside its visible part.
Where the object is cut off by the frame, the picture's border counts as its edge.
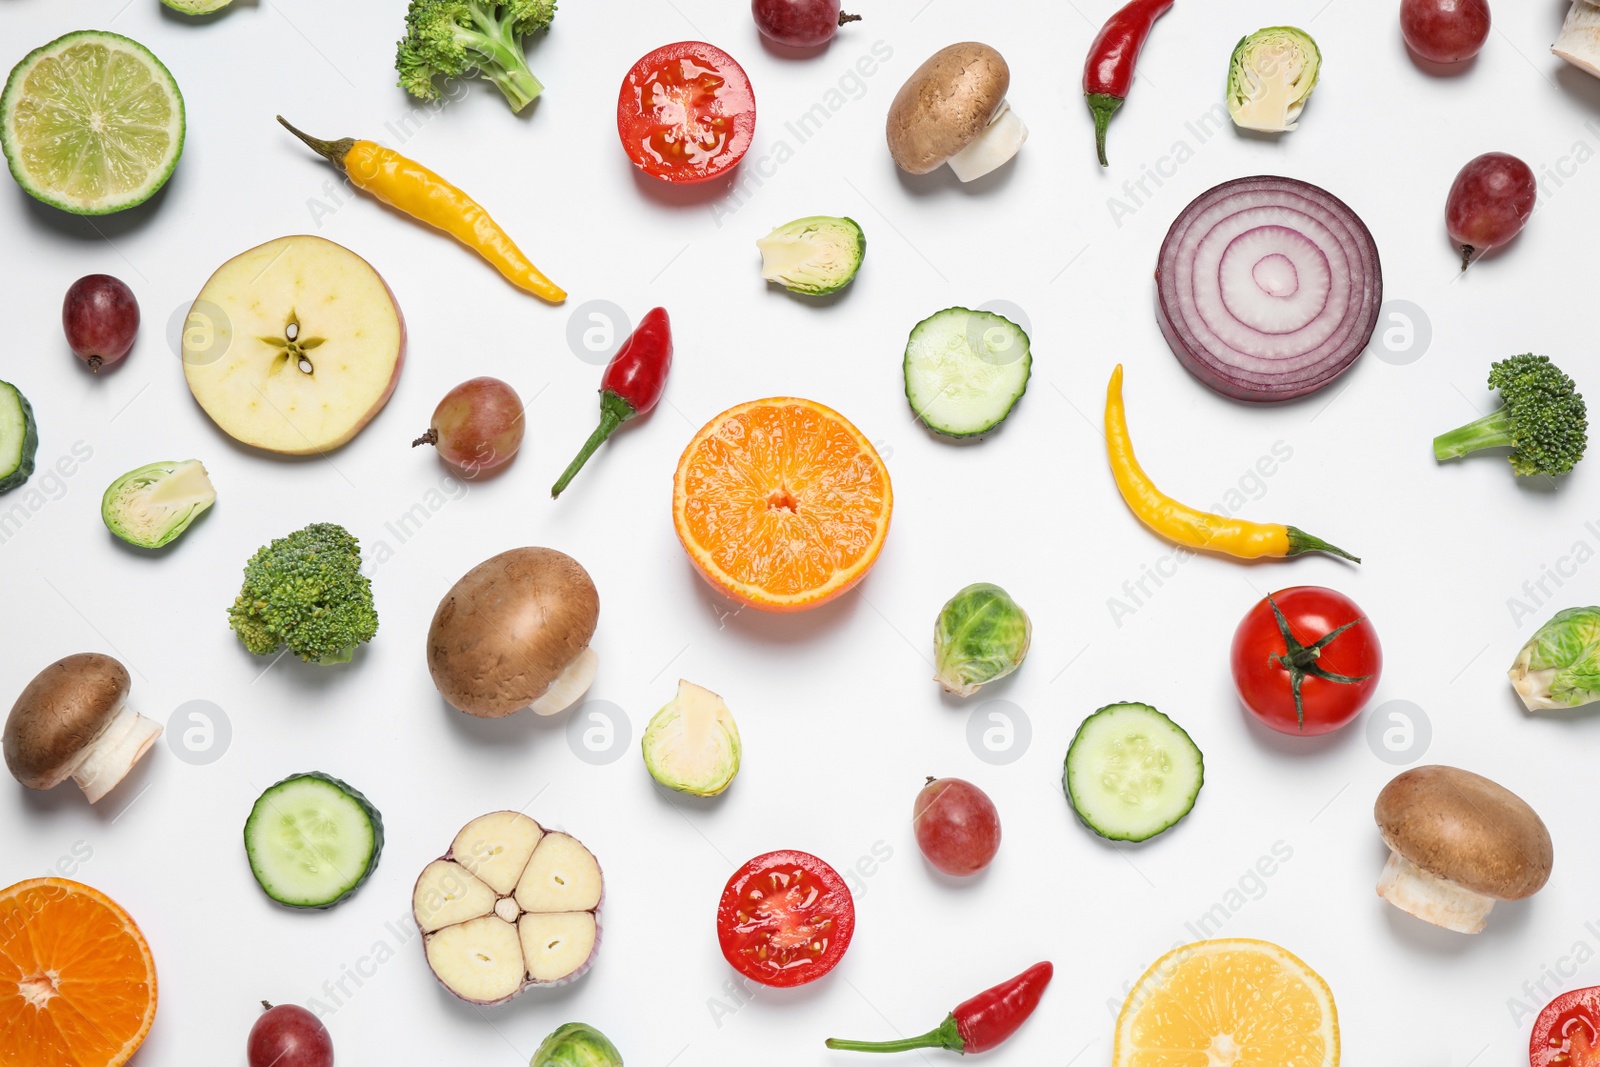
(91, 123)
(197, 7)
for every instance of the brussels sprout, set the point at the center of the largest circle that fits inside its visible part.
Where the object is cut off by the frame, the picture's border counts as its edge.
(814, 256)
(576, 1045)
(152, 505)
(1270, 78)
(981, 634)
(1559, 667)
(692, 744)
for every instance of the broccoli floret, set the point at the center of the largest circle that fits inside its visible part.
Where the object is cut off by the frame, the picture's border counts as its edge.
(306, 591)
(1543, 419)
(451, 38)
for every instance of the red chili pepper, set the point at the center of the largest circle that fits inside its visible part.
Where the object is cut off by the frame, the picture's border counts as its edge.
(977, 1025)
(631, 385)
(1108, 72)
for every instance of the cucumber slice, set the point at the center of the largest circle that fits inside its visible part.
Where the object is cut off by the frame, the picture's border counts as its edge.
(19, 437)
(965, 370)
(1131, 772)
(312, 840)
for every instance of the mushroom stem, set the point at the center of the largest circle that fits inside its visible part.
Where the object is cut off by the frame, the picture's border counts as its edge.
(569, 685)
(1431, 898)
(107, 759)
(992, 148)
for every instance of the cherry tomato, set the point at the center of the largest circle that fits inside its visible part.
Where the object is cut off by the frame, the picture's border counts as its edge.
(1309, 666)
(1567, 1031)
(785, 919)
(686, 112)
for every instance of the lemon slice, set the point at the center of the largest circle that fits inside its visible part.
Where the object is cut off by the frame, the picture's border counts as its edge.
(91, 123)
(1228, 1003)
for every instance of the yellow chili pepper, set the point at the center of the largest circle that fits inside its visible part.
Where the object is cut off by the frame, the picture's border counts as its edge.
(1181, 524)
(408, 186)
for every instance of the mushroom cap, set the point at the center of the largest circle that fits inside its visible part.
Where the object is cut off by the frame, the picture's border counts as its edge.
(945, 104)
(508, 628)
(1464, 828)
(64, 708)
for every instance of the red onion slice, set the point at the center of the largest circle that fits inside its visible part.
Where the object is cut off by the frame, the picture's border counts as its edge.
(1268, 288)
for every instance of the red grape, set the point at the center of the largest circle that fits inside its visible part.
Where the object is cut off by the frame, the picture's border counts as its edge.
(799, 23)
(1444, 31)
(957, 826)
(1489, 203)
(101, 320)
(477, 426)
(289, 1036)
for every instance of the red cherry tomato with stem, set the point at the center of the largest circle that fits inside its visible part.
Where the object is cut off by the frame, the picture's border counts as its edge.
(1306, 660)
(686, 112)
(785, 919)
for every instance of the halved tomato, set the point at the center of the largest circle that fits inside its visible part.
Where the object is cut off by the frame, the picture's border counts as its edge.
(686, 112)
(1567, 1031)
(785, 919)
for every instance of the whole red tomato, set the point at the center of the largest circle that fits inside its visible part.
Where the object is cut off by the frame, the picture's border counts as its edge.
(1567, 1031)
(1306, 660)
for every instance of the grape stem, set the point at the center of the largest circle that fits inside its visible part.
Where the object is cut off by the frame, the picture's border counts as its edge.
(1466, 254)
(844, 18)
(429, 438)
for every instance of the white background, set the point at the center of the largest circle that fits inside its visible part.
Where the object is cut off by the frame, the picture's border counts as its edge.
(840, 719)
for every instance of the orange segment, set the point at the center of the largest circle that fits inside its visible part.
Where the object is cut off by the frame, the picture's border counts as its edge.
(1228, 1003)
(77, 981)
(781, 503)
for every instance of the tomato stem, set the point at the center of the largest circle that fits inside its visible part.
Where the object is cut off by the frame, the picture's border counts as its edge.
(1300, 660)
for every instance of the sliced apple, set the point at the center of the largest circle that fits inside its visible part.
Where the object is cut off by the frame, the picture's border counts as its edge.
(508, 907)
(294, 345)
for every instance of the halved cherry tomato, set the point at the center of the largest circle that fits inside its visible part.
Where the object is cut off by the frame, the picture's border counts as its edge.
(1567, 1031)
(785, 919)
(686, 112)
(1306, 660)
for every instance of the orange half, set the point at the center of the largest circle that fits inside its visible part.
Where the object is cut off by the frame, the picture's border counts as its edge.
(781, 503)
(1234, 1001)
(77, 981)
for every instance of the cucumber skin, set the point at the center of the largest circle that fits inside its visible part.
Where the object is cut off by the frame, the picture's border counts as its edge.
(906, 378)
(1067, 763)
(373, 817)
(30, 443)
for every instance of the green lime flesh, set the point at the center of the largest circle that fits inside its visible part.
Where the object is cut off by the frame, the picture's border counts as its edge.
(91, 123)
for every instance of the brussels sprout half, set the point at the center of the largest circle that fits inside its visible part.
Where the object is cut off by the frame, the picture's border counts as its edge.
(151, 505)
(576, 1045)
(814, 256)
(1559, 667)
(980, 635)
(1270, 78)
(692, 744)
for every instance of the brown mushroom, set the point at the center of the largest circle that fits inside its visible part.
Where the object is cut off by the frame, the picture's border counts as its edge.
(1459, 843)
(514, 632)
(73, 720)
(953, 110)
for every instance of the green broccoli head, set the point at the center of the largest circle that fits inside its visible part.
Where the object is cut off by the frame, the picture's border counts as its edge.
(1543, 419)
(453, 38)
(306, 591)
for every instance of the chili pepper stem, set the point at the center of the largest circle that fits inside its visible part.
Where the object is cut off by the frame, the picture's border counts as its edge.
(1301, 542)
(333, 151)
(614, 411)
(1102, 106)
(945, 1035)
